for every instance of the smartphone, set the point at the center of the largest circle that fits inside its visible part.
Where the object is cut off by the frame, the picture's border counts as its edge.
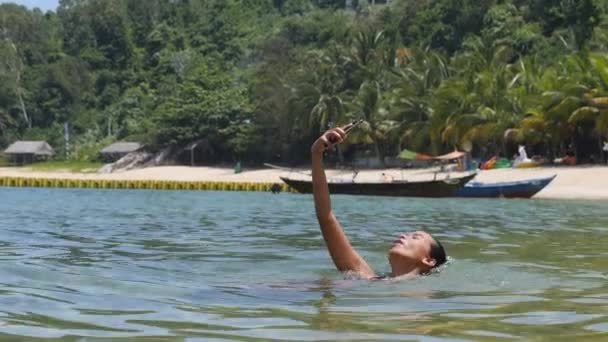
(347, 129)
(352, 125)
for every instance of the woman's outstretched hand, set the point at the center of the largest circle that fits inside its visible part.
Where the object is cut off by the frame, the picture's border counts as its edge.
(330, 138)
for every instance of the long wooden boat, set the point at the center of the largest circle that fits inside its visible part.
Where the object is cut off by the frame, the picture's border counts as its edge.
(519, 189)
(433, 188)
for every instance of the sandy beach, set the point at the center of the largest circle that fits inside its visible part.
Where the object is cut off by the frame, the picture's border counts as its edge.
(582, 182)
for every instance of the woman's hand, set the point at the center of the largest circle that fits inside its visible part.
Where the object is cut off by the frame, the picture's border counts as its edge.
(328, 139)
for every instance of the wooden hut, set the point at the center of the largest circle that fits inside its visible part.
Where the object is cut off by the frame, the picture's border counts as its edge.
(27, 152)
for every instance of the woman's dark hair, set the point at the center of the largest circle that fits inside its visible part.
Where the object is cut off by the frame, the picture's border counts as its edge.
(438, 253)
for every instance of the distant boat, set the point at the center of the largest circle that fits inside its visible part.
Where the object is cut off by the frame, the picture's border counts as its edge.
(433, 188)
(518, 189)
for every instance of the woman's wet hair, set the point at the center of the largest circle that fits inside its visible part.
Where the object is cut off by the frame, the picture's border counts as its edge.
(438, 253)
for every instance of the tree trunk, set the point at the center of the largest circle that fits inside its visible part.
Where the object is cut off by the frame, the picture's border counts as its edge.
(25, 116)
(575, 143)
(22, 104)
(17, 68)
(340, 155)
(600, 145)
(377, 150)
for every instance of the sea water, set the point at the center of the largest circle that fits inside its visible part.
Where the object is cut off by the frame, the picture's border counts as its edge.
(88, 265)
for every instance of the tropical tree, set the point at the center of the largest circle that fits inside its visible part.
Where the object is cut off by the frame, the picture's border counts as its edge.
(486, 104)
(329, 111)
(11, 70)
(421, 73)
(367, 53)
(546, 96)
(594, 112)
(261, 79)
(370, 105)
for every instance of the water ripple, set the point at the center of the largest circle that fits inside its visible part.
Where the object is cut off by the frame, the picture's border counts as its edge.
(213, 266)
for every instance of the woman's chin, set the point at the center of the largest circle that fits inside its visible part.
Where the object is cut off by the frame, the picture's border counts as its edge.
(399, 255)
(394, 250)
(395, 254)
(397, 248)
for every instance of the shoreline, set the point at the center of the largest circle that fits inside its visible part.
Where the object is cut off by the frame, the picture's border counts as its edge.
(578, 182)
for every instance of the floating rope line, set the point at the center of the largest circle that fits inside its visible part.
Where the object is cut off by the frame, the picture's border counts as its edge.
(138, 184)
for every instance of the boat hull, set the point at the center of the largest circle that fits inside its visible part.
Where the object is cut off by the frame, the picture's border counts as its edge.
(519, 189)
(436, 188)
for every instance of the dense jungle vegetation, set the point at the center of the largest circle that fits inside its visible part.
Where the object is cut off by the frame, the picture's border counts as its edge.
(258, 80)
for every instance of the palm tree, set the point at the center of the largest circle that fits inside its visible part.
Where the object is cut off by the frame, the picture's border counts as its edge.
(326, 80)
(561, 97)
(581, 101)
(412, 98)
(328, 111)
(564, 101)
(598, 97)
(481, 103)
(366, 44)
(366, 54)
(540, 105)
(370, 105)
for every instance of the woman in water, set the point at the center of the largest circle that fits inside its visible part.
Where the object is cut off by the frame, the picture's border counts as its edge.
(410, 255)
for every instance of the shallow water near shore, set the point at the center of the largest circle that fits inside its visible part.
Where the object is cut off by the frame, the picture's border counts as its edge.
(239, 266)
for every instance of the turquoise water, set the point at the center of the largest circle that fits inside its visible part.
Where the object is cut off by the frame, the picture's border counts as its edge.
(87, 265)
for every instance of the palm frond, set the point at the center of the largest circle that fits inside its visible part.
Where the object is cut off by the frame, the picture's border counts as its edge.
(584, 114)
(601, 123)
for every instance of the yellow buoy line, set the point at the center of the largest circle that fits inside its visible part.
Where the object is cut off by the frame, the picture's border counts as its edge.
(138, 184)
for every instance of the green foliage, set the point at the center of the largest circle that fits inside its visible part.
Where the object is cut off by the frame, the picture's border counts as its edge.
(258, 80)
(504, 25)
(441, 24)
(204, 106)
(86, 147)
(579, 17)
(70, 166)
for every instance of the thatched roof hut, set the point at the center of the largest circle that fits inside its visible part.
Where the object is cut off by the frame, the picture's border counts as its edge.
(25, 152)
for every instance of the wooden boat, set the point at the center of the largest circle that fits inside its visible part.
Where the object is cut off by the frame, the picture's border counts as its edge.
(518, 189)
(433, 188)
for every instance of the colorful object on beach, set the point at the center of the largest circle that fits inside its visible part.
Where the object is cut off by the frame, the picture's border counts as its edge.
(527, 164)
(569, 159)
(489, 164)
(518, 189)
(495, 163)
(503, 163)
(522, 160)
(137, 184)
